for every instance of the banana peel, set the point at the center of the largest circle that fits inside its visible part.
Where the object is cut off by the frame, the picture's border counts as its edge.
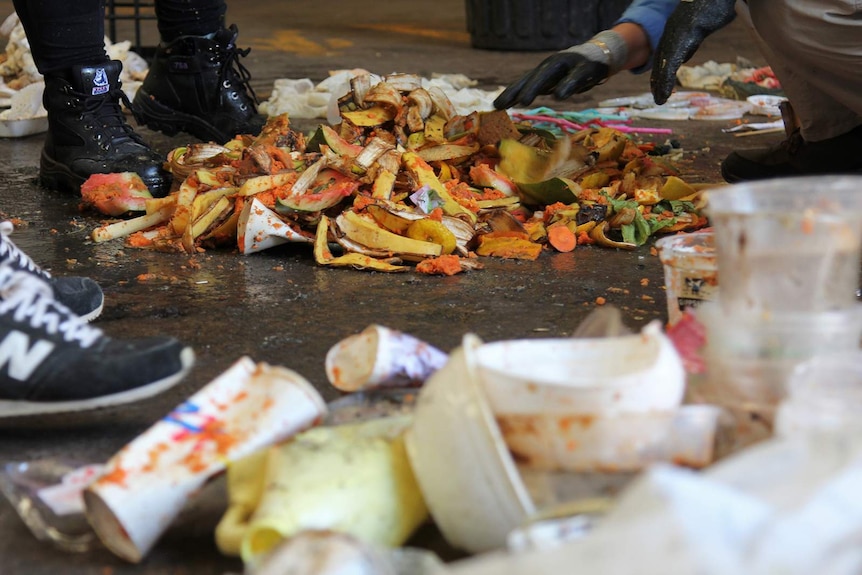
(428, 230)
(522, 163)
(383, 185)
(613, 148)
(214, 214)
(363, 262)
(597, 234)
(425, 176)
(507, 202)
(675, 188)
(183, 208)
(323, 256)
(445, 152)
(203, 201)
(389, 219)
(434, 127)
(366, 232)
(369, 117)
(528, 164)
(155, 204)
(260, 184)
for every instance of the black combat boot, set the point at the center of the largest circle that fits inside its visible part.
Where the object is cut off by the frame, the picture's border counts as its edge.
(197, 84)
(88, 133)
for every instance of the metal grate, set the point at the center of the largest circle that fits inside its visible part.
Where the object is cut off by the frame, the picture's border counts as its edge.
(134, 11)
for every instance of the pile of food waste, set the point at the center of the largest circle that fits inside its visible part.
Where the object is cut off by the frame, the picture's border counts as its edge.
(404, 180)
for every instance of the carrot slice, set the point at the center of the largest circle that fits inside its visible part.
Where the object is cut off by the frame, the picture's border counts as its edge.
(562, 238)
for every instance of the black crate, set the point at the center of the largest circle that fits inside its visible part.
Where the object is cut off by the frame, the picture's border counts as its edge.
(132, 14)
(538, 24)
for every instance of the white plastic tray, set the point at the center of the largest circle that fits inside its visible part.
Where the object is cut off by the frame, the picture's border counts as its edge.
(23, 127)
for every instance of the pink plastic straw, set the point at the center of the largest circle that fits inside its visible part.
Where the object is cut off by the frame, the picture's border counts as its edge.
(635, 129)
(551, 120)
(573, 126)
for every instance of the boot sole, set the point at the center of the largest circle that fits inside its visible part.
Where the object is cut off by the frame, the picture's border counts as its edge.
(14, 409)
(163, 119)
(56, 176)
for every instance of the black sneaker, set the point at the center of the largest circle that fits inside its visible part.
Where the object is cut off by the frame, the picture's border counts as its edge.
(81, 295)
(52, 362)
(796, 157)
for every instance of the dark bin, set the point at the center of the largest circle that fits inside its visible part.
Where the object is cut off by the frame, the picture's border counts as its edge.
(538, 24)
(134, 13)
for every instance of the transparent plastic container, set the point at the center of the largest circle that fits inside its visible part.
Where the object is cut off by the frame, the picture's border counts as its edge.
(781, 335)
(788, 244)
(46, 494)
(824, 395)
(690, 271)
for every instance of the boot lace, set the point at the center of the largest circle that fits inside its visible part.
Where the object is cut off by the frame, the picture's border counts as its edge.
(13, 254)
(231, 68)
(30, 300)
(106, 111)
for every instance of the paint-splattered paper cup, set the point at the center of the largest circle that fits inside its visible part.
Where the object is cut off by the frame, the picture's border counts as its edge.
(148, 482)
(381, 357)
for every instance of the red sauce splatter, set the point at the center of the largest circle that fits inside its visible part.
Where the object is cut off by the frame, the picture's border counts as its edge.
(117, 475)
(153, 457)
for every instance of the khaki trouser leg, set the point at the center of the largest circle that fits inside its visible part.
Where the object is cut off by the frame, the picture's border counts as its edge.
(815, 50)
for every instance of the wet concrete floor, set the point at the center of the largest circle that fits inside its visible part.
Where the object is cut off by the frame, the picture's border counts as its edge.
(278, 306)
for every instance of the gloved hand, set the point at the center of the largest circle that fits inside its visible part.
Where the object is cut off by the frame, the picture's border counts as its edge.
(571, 71)
(564, 74)
(686, 29)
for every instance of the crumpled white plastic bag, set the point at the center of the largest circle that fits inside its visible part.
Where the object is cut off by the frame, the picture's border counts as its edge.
(301, 98)
(783, 506)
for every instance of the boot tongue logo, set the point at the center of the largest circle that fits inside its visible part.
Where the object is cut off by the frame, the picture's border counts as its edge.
(101, 85)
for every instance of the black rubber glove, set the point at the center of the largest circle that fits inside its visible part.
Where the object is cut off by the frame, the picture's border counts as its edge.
(687, 27)
(563, 74)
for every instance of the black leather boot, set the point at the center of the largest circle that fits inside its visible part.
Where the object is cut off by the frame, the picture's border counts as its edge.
(796, 157)
(197, 84)
(88, 133)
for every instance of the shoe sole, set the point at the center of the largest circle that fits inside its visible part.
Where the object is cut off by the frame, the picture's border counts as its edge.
(14, 409)
(94, 314)
(163, 119)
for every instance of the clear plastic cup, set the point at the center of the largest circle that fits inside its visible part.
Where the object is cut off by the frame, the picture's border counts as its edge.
(824, 395)
(788, 244)
(755, 385)
(690, 271)
(780, 336)
(750, 359)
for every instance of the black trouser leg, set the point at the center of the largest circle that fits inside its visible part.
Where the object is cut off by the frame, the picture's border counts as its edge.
(177, 18)
(63, 33)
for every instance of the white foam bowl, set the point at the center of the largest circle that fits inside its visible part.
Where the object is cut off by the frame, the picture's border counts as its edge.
(463, 466)
(630, 374)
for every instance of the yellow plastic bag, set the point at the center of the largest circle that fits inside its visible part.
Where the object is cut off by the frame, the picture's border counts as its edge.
(353, 479)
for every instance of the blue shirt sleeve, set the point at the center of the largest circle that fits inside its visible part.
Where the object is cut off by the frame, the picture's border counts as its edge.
(651, 15)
